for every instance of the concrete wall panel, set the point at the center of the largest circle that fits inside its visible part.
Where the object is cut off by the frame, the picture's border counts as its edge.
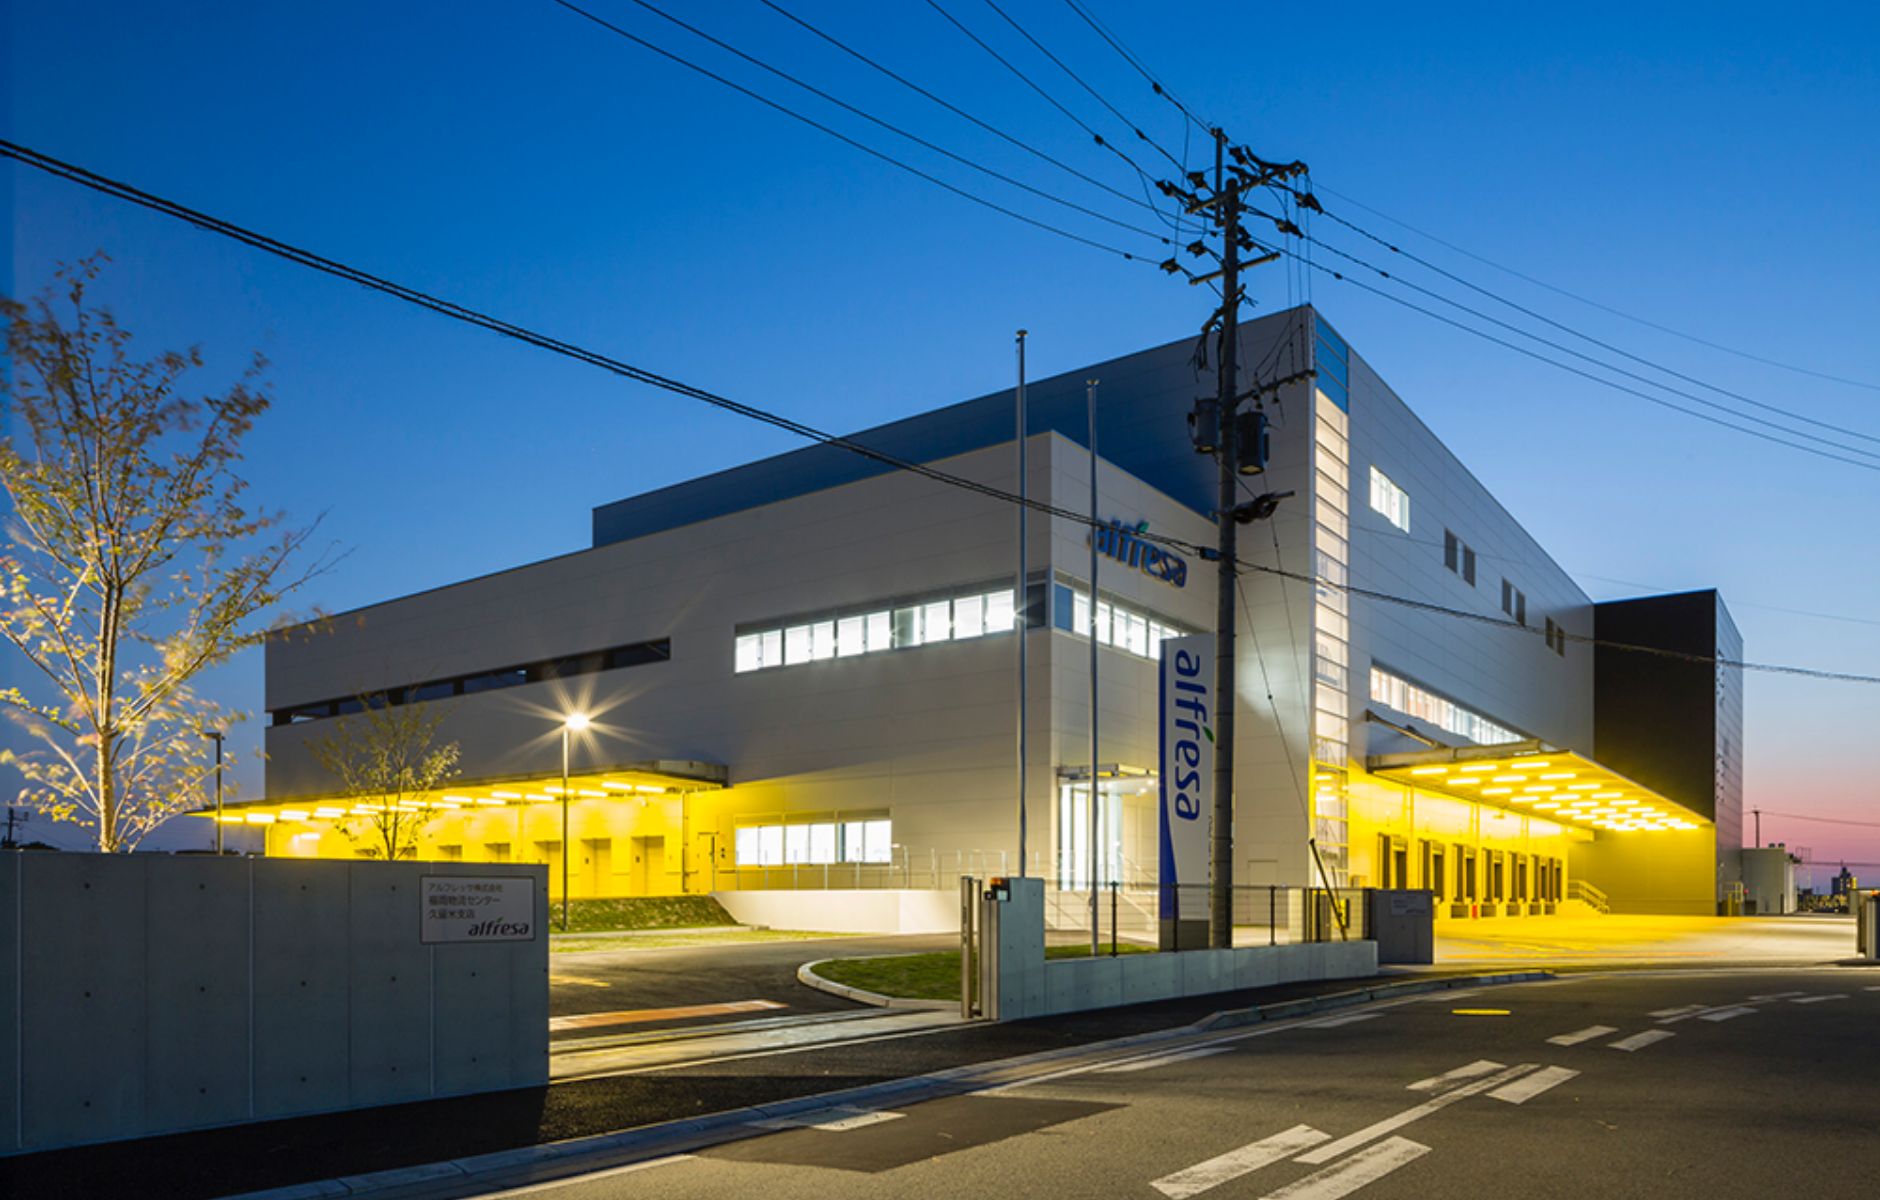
(389, 993)
(84, 1007)
(197, 970)
(302, 1032)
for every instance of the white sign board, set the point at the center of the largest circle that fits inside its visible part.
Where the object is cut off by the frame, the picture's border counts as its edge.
(1187, 773)
(477, 908)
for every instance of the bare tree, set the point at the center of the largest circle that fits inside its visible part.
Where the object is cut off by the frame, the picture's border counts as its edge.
(132, 564)
(387, 758)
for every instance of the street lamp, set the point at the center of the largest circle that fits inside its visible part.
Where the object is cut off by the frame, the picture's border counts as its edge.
(574, 723)
(216, 735)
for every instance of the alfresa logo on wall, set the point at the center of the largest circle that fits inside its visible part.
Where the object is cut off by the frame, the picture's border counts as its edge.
(1120, 542)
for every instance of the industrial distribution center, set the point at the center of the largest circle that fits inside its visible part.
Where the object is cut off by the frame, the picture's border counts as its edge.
(801, 673)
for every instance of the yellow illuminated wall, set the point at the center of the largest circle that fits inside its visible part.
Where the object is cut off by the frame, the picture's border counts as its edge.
(1403, 836)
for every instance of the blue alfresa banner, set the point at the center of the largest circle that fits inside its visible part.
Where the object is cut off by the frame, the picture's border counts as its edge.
(1187, 772)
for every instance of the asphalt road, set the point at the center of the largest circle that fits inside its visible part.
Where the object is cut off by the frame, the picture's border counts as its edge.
(695, 977)
(1726, 1084)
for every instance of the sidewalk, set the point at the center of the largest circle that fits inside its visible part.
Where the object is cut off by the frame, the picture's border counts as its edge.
(656, 1080)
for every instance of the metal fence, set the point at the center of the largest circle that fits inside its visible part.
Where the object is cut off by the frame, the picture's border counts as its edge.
(1262, 914)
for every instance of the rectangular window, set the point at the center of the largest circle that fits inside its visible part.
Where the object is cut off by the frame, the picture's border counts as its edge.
(796, 645)
(969, 617)
(1000, 613)
(1468, 566)
(1514, 602)
(822, 640)
(880, 631)
(1452, 551)
(750, 652)
(1390, 500)
(936, 621)
(1395, 692)
(851, 636)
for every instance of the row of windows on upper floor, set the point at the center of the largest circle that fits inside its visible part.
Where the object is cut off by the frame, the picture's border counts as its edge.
(634, 654)
(1393, 504)
(957, 618)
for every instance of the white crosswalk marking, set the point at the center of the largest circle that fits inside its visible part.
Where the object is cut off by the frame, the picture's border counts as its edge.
(1774, 996)
(1366, 1166)
(1474, 1070)
(831, 1120)
(1582, 1035)
(1162, 1060)
(1682, 1010)
(1521, 1090)
(1818, 999)
(1875, 988)
(1725, 1014)
(1639, 1041)
(1389, 1125)
(1192, 1181)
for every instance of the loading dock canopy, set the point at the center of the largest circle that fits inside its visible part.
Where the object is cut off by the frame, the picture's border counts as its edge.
(626, 781)
(1533, 777)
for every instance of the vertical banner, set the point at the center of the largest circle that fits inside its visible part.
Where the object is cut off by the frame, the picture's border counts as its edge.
(1186, 771)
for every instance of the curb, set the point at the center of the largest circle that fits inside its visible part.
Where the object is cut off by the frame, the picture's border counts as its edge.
(578, 1156)
(807, 976)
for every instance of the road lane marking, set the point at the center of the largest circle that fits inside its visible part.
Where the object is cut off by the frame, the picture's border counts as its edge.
(1582, 1035)
(584, 981)
(1667, 1015)
(1348, 1019)
(839, 1119)
(1522, 1090)
(1467, 1071)
(1161, 1060)
(1766, 996)
(1876, 988)
(1639, 1041)
(1819, 999)
(1192, 1181)
(1389, 1125)
(1725, 1014)
(1366, 1166)
(596, 1020)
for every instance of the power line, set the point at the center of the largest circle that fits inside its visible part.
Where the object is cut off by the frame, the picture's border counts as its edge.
(1079, 80)
(961, 192)
(469, 316)
(870, 117)
(1582, 373)
(958, 111)
(1604, 345)
(1048, 97)
(1633, 375)
(1823, 820)
(1155, 84)
(1602, 307)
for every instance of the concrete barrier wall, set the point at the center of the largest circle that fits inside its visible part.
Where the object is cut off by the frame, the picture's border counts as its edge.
(1029, 985)
(1078, 984)
(145, 994)
(865, 910)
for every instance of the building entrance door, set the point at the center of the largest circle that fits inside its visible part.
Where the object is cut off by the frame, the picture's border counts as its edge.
(656, 866)
(597, 867)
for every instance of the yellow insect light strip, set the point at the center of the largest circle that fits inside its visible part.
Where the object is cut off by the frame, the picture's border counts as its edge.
(1547, 805)
(329, 813)
(1529, 766)
(294, 814)
(1429, 770)
(1475, 767)
(1496, 791)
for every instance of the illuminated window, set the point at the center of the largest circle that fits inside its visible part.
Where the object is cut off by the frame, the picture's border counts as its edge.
(960, 618)
(1389, 499)
(1119, 628)
(1393, 691)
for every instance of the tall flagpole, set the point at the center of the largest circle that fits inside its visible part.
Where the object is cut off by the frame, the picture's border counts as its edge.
(1090, 415)
(1020, 602)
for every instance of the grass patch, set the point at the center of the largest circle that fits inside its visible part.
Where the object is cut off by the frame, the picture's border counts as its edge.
(584, 943)
(933, 976)
(641, 912)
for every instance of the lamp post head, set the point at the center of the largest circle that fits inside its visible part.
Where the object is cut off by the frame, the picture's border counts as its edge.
(576, 722)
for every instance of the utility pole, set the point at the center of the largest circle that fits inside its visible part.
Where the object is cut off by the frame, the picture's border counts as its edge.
(1240, 449)
(1221, 834)
(1758, 813)
(1021, 606)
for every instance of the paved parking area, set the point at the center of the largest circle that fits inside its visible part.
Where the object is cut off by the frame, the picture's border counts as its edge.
(1629, 940)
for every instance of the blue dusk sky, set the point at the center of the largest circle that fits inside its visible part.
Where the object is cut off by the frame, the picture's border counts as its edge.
(1701, 165)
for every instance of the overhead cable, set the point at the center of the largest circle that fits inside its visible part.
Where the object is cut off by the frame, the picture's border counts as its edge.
(457, 312)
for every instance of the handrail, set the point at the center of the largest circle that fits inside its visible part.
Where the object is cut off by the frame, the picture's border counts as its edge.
(1594, 898)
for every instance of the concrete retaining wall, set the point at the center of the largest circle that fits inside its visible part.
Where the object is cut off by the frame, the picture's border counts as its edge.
(866, 910)
(145, 994)
(1076, 984)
